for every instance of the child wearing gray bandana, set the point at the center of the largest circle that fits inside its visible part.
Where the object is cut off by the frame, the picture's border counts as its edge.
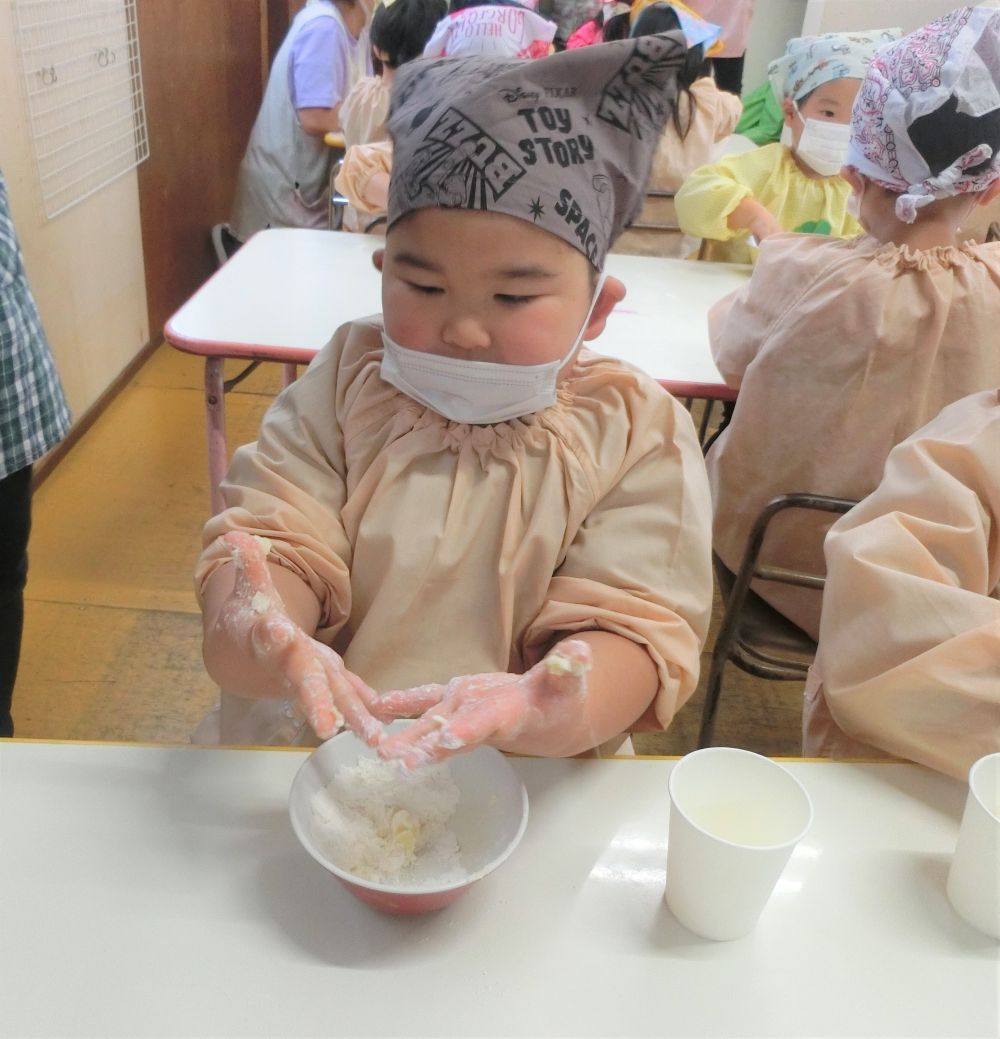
(471, 518)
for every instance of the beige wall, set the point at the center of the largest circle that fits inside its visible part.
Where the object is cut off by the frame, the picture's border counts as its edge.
(774, 23)
(777, 21)
(85, 266)
(844, 15)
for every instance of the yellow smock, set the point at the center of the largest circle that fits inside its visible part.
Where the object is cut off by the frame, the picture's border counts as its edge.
(772, 177)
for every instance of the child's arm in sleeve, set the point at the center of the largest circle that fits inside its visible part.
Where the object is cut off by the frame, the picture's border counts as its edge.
(740, 324)
(728, 112)
(288, 489)
(638, 577)
(256, 623)
(364, 176)
(910, 634)
(226, 659)
(717, 202)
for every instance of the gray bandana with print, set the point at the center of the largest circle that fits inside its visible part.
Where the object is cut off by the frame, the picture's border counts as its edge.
(565, 142)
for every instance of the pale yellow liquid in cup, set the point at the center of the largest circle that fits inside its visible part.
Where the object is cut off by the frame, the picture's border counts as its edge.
(734, 822)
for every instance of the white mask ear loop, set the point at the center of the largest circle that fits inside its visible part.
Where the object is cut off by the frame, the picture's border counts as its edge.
(968, 213)
(601, 278)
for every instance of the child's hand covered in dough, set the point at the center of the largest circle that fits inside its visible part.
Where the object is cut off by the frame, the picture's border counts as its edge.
(308, 672)
(496, 708)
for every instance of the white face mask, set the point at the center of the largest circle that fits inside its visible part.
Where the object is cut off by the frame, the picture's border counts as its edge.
(478, 392)
(823, 145)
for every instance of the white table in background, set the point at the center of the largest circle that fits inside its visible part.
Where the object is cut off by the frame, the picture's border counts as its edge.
(282, 296)
(160, 891)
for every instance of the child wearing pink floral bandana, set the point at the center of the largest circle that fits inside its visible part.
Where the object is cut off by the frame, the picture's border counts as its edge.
(841, 349)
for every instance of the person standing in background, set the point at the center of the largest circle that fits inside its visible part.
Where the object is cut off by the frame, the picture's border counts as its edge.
(33, 418)
(285, 173)
(733, 17)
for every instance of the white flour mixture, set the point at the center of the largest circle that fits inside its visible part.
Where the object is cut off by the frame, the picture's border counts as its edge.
(389, 826)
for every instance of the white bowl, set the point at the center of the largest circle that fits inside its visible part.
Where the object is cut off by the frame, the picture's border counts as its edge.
(489, 821)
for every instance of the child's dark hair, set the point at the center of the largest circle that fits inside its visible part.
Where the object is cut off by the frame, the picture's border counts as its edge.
(661, 17)
(944, 135)
(615, 28)
(402, 29)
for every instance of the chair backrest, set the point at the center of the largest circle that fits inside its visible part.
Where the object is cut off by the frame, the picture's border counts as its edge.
(753, 635)
(658, 212)
(752, 570)
(655, 231)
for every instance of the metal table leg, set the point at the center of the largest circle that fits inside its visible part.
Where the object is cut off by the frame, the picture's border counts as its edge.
(215, 429)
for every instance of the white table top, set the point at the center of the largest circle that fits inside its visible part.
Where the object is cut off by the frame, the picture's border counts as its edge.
(285, 292)
(161, 891)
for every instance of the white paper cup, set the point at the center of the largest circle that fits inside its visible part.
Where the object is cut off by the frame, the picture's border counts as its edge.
(735, 818)
(974, 877)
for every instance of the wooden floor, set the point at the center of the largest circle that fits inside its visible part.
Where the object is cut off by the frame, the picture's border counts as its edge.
(112, 645)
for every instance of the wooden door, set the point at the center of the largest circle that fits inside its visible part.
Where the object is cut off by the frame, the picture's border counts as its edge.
(203, 64)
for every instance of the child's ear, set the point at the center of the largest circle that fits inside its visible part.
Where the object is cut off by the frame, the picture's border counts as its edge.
(378, 258)
(612, 293)
(788, 109)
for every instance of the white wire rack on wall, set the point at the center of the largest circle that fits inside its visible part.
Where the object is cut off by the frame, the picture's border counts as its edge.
(83, 86)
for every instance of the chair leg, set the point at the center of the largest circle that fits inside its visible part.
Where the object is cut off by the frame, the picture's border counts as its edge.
(706, 418)
(713, 691)
(721, 651)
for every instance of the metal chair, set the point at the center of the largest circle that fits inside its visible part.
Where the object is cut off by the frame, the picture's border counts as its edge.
(336, 203)
(754, 636)
(224, 243)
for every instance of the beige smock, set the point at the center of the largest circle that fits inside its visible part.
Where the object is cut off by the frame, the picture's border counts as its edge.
(909, 657)
(437, 548)
(713, 118)
(364, 110)
(816, 205)
(361, 163)
(840, 350)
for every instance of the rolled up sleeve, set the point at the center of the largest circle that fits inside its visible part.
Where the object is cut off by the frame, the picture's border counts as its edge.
(706, 199)
(289, 487)
(910, 635)
(640, 566)
(360, 164)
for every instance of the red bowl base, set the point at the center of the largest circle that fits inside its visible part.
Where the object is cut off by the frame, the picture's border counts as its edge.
(403, 904)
